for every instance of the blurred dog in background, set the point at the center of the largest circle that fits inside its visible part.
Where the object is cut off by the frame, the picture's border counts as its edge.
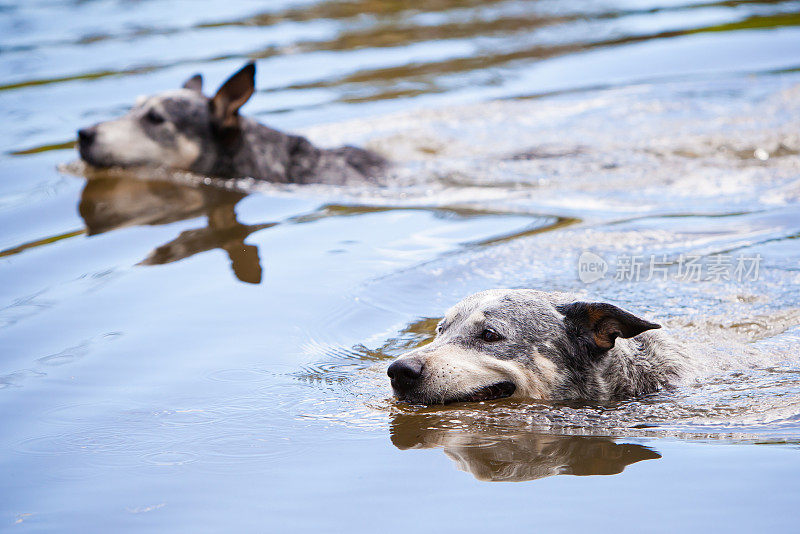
(185, 130)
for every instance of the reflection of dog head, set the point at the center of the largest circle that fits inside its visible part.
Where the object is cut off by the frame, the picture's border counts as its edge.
(518, 456)
(185, 130)
(530, 344)
(108, 203)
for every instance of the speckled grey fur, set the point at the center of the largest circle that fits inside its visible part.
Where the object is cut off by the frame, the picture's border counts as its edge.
(191, 132)
(543, 345)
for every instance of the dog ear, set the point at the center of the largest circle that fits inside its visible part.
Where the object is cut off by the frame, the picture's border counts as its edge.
(195, 83)
(232, 95)
(603, 323)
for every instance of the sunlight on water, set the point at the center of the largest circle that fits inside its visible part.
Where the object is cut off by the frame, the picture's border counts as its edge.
(187, 352)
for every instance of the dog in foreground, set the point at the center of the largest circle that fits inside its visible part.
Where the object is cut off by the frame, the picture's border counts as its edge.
(530, 344)
(185, 130)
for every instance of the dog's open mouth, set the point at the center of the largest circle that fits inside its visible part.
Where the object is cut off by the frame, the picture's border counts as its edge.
(500, 390)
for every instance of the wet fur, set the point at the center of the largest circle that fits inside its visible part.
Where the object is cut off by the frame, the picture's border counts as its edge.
(208, 136)
(552, 349)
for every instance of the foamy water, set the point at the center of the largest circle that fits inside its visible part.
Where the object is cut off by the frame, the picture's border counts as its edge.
(186, 353)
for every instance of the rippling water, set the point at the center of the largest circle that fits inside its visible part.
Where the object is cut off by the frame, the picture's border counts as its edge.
(182, 353)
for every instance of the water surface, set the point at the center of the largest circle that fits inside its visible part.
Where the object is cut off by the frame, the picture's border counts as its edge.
(184, 354)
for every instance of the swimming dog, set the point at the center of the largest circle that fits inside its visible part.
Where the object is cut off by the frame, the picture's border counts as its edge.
(185, 130)
(530, 344)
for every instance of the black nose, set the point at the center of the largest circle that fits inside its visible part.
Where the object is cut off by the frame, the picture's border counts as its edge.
(87, 135)
(405, 373)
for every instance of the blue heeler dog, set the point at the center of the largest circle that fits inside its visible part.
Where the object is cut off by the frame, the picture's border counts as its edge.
(185, 130)
(530, 344)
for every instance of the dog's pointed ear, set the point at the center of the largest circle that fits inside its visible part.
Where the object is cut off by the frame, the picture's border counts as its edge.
(603, 323)
(195, 83)
(232, 95)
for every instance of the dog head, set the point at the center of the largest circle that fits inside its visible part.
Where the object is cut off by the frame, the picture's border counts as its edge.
(177, 129)
(502, 343)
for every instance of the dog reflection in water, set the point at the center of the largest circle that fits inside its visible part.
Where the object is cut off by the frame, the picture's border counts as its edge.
(109, 203)
(518, 456)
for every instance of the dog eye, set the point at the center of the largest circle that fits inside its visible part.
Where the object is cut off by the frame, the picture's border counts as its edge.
(154, 117)
(490, 335)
